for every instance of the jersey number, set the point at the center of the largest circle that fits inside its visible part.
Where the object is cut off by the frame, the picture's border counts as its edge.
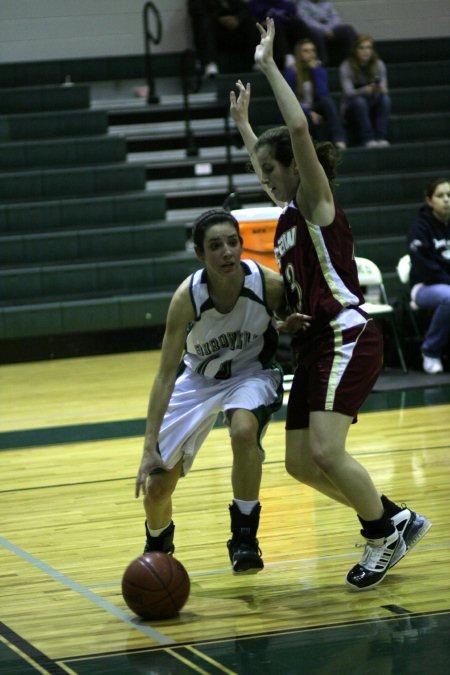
(295, 288)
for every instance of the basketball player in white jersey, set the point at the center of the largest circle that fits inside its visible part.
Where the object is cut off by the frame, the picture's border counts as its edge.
(339, 356)
(222, 330)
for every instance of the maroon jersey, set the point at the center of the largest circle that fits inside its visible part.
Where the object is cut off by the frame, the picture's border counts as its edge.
(318, 266)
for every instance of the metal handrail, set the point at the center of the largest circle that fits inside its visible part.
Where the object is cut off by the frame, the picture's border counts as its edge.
(233, 194)
(150, 37)
(190, 83)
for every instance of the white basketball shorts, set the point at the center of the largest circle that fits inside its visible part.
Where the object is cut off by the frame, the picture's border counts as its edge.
(196, 402)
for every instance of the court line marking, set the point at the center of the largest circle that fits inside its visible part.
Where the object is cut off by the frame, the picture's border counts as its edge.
(222, 467)
(66, 668)
(29, 653)
(186, 661)
(299, 562)
(208, 659)
(24, 656)
(86, 593)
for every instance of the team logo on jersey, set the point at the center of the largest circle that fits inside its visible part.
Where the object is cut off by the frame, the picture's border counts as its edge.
(285, 243)
(442, 247)
(233, 340)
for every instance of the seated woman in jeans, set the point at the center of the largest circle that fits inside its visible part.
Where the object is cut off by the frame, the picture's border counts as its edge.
(429, 248)
(366, 103)
(332, 37)
(309, 80)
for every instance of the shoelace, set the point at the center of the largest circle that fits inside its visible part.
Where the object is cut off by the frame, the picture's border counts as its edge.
(375, 555)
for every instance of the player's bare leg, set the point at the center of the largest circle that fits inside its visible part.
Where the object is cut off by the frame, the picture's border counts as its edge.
(352, 485)
(243, 547)
(159, 526)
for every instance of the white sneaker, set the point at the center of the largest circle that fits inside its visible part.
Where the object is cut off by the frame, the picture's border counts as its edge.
(383, 143)
(371, 144)
(211, 69)
(432, 365)
(377, 558)
(412, 527)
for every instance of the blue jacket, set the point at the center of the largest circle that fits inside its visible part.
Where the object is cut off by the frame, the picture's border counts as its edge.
(319, 82)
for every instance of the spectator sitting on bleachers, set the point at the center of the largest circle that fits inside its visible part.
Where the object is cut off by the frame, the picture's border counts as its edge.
(326, 30)
(289, 28)
(221, 26)
(366, 103)
(309, 80)
(429, 249)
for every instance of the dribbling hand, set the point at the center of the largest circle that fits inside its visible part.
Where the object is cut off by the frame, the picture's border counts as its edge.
(294, 323)
(150, 460)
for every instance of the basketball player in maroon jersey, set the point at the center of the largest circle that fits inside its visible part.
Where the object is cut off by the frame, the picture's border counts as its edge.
(339, 356)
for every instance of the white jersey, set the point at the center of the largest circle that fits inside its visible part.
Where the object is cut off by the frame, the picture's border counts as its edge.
(223, 345)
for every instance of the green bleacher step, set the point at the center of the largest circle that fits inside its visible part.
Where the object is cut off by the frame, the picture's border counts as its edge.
(76, 182)
(120, 311)
(90, 244)
(413, 49)
(86, 212)
(420, 126)
(53, 124)
(384, 189)
(43, 98)
(382, 220)
(62, 152)
(400, 75)
(397, 157)
(51, 282)
(384, 251)
(401, 127)
(28, 73)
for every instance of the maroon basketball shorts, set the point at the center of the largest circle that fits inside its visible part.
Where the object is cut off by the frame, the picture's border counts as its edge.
(336, 371)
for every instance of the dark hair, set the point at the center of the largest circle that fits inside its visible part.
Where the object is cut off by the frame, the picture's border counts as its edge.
(432, 185)
(208, 219)
(279, 141)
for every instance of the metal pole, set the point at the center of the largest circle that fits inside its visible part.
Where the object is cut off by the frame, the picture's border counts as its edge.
(155, 38)
(187, 70)
(228, 153)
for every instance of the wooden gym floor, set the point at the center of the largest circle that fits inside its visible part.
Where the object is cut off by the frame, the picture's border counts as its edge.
(71, 436)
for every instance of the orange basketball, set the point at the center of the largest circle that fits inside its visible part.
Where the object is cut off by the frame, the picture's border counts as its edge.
(155, 585)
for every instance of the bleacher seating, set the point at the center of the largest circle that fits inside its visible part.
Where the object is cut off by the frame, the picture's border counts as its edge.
(83, 246)
(91, 242)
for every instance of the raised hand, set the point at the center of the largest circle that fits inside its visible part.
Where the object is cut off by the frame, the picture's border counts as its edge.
(239, 106)
(264, 51)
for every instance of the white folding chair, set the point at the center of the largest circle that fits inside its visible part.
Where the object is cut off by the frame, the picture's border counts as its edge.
(377, 305)
(403, 271)
(404, 268)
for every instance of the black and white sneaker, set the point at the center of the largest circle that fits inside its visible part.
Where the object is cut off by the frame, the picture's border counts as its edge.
(376, 560)
(245, 554)
(412, 526)
(243, 547)
(162, 543)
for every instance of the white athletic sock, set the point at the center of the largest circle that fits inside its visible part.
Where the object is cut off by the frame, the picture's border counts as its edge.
(156, 533)
(245, 507)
